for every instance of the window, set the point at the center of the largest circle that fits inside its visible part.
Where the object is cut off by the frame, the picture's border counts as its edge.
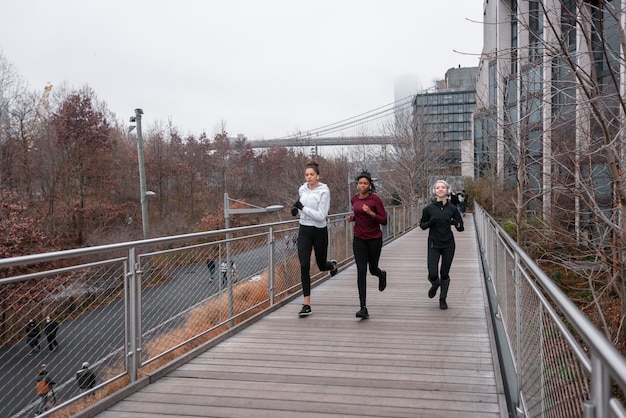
(568, 22)
(513, 36)
(535, 30)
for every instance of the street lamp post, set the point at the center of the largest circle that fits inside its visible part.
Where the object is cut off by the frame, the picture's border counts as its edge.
(142, 175)
(227, 212)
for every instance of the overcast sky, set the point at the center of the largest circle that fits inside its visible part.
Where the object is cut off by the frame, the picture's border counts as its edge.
(266, 68)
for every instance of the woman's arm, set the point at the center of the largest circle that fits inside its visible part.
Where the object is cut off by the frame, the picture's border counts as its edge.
(426, 221)
(381, 214)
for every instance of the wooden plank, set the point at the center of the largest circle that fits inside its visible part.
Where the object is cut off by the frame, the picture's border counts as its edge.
(410, 359)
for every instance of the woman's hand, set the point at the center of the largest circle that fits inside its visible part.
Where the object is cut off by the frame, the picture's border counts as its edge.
(369, 211)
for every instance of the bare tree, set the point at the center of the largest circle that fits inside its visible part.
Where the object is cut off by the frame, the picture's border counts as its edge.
(414, 158)
(13, 119)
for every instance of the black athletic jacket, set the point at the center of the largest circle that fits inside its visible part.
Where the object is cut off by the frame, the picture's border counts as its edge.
(439, 218)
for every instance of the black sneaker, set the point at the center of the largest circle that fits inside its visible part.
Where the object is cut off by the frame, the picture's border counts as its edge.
(305, 311)
(362, 313)
(443, 304)
(433, 289)
(382, 280)
(336, 269)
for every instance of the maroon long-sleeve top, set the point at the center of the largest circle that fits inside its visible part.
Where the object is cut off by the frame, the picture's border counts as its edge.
(367, 226)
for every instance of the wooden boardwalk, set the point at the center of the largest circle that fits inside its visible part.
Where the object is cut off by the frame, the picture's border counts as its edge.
(410, 359)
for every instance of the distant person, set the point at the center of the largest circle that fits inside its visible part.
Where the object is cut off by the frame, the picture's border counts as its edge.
(224, 271)
(32, 336)
(462, 202)
(44, 387)
(85, 378)
(312, 205)
(210, 264)
(50, 329)
(235, 273)
(294, 241)
(453, 198)
(368, 215)
(438, 217)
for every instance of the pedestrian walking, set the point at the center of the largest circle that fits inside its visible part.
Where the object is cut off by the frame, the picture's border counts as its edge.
(50, 329)
(438, 217)
(458, 199)
(462, 197)
(44, 388)
(32, 336)
(210, 264)
(368, 215)
(313, 205)
(224, 271)
(86, 378)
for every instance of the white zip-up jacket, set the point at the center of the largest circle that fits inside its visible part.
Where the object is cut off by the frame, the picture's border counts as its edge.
(316, 204)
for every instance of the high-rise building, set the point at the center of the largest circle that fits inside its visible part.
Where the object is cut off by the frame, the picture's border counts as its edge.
(550, 97)
(443, 116)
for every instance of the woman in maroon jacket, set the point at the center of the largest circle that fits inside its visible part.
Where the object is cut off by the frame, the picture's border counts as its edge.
(368, 215)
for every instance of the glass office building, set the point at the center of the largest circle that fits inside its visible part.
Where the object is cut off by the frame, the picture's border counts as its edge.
(443, 116)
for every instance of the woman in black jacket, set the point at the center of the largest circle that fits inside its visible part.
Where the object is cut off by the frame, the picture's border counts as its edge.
(438, 216)
(32, 336)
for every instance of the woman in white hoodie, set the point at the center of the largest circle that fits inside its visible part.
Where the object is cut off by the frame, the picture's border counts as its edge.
(313, 206)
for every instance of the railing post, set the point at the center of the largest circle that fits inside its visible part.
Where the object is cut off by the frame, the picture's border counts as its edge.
(518, 319)
(271, 278)
(347, 232)
(128, 272)
(542, 358)
(600, 389)
(132, 313)
(330, 237)
(400, 223)
(229, 281)
(394, 222)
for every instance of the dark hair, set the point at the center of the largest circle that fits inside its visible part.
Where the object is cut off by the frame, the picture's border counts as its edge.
(366, 175)
(314, 165)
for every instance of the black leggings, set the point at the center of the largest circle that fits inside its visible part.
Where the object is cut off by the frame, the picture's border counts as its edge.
(434, 254)
(312, 238)
(366, 251)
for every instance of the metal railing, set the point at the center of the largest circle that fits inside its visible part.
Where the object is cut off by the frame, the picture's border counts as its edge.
(122, 307)
(555, 362)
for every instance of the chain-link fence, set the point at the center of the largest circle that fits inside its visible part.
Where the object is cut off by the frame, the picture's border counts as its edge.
(128, 308)
(562, 365)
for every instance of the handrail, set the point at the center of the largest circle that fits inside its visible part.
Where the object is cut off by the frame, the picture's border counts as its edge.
(500, 252)
(123, 306)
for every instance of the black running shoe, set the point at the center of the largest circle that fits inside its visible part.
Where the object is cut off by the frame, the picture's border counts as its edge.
(443, 304)
(433, 289)
(382, 280)
(362, 313)
(305, 311)
(336, 269)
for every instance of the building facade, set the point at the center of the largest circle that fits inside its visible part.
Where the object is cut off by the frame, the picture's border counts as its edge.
(443, 117)
(550, 100)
